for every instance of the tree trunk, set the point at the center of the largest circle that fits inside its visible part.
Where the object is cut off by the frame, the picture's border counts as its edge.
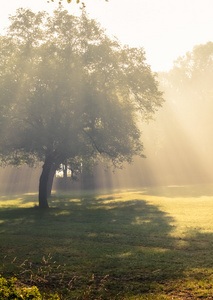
(50, 181)
(43, 183)
(65, 170)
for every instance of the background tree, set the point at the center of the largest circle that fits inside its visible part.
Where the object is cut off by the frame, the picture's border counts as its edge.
(71, 93)
(190, 84)
(180, 151)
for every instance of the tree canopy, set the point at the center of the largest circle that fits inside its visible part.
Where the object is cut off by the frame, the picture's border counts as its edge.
(69, 1)
(70, 93)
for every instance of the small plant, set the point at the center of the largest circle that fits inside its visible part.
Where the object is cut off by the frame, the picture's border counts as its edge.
(10, 290)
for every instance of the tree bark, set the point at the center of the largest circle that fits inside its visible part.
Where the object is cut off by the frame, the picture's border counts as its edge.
(43, 183)
(50, 181)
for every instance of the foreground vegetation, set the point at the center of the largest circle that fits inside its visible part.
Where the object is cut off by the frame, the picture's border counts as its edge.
(136, 244)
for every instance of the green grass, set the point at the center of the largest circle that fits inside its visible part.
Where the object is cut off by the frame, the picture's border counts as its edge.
(136, 244)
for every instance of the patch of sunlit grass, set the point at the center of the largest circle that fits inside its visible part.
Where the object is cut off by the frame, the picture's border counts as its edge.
(63, 212)
(125, 254)
(189, 213)
(17, 202)
(30, 194)
(24, 201)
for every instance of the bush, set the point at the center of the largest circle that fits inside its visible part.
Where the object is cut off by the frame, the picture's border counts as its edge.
(9, 291)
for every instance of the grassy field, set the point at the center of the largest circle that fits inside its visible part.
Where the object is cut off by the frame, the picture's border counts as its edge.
(134, 244)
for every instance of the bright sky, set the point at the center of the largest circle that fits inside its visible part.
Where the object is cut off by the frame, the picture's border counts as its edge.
(166, 29)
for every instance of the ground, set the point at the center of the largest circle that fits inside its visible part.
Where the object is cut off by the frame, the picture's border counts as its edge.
(148, 243)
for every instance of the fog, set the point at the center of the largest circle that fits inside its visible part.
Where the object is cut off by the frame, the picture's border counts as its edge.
(19, 180)
(178, 142)
(178, 152)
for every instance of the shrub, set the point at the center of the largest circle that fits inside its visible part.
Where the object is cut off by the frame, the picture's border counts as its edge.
(9, 290)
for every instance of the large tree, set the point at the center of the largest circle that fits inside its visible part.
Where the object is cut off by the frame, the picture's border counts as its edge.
(69, 92)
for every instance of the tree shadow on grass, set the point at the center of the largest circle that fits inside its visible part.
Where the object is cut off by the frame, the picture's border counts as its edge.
(129, 242)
